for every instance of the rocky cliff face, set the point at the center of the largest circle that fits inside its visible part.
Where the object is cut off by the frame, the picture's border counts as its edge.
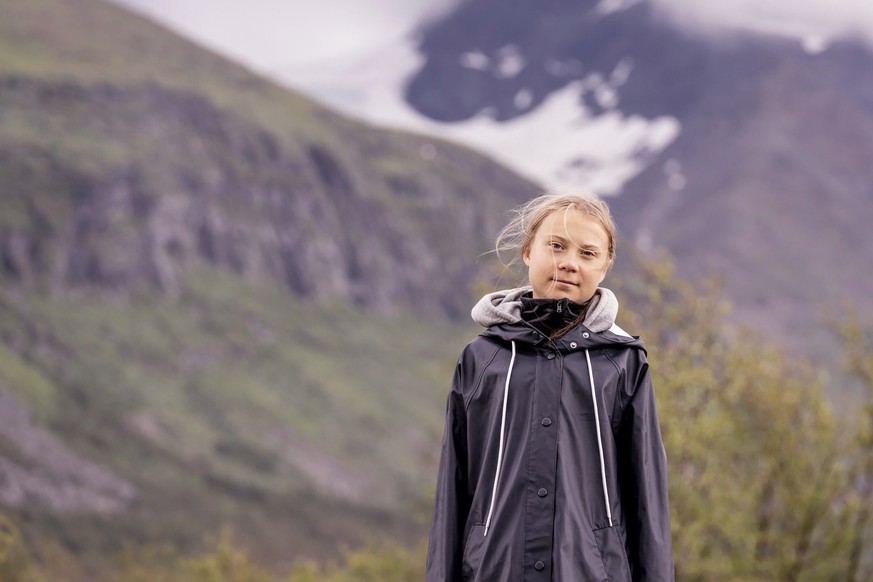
(133, 185)
(44, 473)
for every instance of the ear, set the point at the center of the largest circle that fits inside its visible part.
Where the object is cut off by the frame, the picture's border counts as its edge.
(525, 255)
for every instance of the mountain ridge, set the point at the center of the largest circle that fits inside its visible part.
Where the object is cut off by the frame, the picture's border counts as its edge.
(769, 155)
(338, 162)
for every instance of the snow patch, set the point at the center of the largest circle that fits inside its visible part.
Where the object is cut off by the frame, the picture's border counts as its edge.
(605, 96)
(605, 90)
(592, 81)
(510, 62)
(523, 99)
(507, 62)
(559, 144)
(475, 60)
(675, 178)
(815, 44)
(621, 73)
(563, 69)
(606, 7)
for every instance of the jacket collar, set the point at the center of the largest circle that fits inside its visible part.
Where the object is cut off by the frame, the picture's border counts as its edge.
(500, 313)
(506, 306)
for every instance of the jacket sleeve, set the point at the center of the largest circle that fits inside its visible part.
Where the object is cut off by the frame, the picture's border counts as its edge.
(452, 502)
(643, 478)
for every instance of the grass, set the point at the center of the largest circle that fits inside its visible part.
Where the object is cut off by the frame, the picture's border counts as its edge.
(28, 384)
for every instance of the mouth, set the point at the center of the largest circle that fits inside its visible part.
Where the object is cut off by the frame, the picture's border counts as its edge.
(565, 282)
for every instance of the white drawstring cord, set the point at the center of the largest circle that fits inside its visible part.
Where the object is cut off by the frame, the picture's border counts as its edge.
(500, 447)
(599, 438)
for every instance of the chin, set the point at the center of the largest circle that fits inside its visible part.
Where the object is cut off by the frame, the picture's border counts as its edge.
(560, 295)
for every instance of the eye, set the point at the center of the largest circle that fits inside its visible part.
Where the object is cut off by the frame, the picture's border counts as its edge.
(555, 246)
(589, 254)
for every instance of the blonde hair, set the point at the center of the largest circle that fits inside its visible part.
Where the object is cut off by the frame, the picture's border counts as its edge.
(518, 234)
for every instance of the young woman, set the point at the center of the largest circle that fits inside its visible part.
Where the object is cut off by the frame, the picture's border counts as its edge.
(552, 465)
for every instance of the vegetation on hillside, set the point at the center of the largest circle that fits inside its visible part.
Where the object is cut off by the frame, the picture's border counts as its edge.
(296, 423)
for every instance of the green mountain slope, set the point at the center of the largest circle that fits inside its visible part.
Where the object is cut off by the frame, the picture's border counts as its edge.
(300, 425)
(219, 302)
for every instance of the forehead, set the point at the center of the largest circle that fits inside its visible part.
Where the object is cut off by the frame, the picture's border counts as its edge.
(574, 225)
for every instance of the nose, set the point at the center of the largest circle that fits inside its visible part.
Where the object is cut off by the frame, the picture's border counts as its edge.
(568, 262)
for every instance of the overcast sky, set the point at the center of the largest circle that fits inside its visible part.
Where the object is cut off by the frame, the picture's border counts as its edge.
(282, 38)
(307, 43)
(784, 17)
(356, 55)
(275, 33)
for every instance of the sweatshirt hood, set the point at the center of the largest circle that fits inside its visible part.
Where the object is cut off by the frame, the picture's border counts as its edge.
(505, 307)
(499, 311)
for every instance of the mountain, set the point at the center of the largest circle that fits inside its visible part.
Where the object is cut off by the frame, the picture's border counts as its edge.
(764, 178)
(188, 159)
(221, 302)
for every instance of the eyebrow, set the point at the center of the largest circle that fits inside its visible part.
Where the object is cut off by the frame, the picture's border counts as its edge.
(581, 246)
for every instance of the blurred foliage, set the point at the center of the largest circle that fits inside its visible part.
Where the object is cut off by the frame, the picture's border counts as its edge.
(764, 477)
(858, 341)
(226, 561)
(15, 561)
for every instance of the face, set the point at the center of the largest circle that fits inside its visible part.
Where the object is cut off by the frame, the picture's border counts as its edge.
(568, 256)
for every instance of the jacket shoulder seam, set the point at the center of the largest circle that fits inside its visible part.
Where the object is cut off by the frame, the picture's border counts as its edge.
(468, 398)
(611, 359)
(621, 401)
